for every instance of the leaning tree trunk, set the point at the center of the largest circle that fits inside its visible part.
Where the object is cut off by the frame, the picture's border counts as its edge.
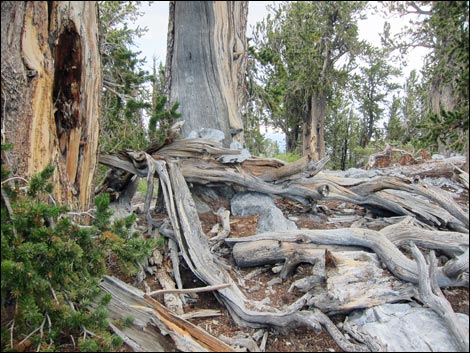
(51, 89)
(207, 53)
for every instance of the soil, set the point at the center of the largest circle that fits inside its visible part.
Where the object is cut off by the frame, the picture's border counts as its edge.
(256, 287)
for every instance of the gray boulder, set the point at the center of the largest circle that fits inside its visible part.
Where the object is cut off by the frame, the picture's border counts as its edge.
(270, 219)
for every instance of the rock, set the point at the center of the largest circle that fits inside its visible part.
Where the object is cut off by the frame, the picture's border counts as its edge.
(403, 328)
(437, 157)
(213, 196)
(235, 145)
(270, 217)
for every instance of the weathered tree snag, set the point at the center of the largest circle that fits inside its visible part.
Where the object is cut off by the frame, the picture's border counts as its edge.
(317, 121)
(208, 53)
(51, 93)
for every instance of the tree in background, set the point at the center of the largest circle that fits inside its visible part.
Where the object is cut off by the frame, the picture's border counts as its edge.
(394, 128)
(300, 48)
(443, 27)
(124, 92)
(161, 117)
(412, 111)
(373, 85)
(342, 130)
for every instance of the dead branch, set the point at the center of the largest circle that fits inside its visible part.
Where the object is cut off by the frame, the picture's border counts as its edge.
(431, 295)
(190, 290)
(390, 255)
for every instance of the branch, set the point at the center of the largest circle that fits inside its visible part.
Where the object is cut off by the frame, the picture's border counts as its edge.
(432, 296)
(9, 210)
(190, 290)
(419, 10)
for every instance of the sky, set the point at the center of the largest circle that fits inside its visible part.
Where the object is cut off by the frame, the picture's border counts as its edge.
(155, 18)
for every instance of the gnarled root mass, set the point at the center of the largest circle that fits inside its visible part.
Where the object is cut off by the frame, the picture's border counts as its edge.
(199, 161)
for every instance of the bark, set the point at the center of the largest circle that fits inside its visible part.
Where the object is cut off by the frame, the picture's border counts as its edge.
(465, 167)
(207, 54)
(317, 118)
(51, 89)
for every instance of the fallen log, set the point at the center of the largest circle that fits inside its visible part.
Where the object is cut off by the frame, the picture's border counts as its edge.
(400, 265)
(341, 280)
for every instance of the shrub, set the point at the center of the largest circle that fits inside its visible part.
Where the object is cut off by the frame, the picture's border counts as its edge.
(51, 267)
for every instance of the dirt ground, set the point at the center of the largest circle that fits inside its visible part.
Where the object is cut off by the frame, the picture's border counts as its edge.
(299, 339)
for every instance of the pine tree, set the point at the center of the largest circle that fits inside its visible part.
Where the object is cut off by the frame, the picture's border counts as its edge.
(51, 266)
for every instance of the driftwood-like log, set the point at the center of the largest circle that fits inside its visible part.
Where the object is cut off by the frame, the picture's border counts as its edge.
(305, 167)
(144, 335)
(400, 265)
(150, 318)
(345, 280)
(407, 230)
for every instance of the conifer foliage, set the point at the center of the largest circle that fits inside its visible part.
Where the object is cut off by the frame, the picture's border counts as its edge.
(51, 267)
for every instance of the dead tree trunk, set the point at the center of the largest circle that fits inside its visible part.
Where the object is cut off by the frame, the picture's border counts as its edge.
(51, 89)
(207, 52)
(317, 118)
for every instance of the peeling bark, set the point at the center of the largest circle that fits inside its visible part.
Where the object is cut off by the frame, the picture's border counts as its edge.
(207, 54)
(51, 89)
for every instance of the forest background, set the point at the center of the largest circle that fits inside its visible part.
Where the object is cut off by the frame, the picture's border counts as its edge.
(396, 84)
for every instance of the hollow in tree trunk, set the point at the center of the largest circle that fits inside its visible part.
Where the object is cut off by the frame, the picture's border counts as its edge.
(51, 89)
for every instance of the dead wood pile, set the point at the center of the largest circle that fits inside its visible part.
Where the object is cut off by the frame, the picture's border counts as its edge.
(430, 219)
